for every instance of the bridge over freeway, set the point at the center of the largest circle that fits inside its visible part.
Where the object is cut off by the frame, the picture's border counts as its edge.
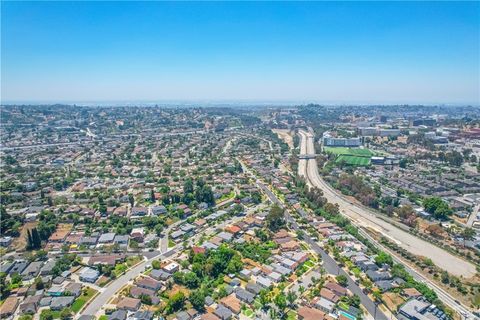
(307, 156)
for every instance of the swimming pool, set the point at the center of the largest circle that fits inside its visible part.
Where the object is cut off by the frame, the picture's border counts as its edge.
(349, 316)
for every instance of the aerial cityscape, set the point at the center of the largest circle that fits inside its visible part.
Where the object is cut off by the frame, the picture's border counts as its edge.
(253, 160)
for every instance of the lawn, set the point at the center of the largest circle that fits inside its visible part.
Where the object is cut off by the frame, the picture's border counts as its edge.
(248, 312)
(257, 304)
(343, 305)
(351, 156)
(120, 268)
(133, 260)
(349, 151)
(309, 263)
(356, 271)
(171, 243)
(353, 160)
(291, 315)
(55, 314)
(226, 196)
(86, 295)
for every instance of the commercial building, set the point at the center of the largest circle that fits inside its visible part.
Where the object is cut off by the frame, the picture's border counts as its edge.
(330, 141)
(423, 122)
(373, 131)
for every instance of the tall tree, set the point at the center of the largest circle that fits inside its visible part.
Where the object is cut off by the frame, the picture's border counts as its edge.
(188, 186)
(152, 195)
(29, 240)
(131, 199)
(37, 242)
(275, 219)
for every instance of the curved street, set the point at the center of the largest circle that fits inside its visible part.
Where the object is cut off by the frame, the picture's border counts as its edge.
(366, 219)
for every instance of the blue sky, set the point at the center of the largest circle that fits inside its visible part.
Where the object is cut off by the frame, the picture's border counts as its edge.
(331, 52)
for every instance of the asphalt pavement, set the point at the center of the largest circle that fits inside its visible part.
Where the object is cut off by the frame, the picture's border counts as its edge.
(330, 265)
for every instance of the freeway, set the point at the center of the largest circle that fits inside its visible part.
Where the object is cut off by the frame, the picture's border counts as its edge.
(442, 294)
(329, 263)
(369, 219)
(366, 219)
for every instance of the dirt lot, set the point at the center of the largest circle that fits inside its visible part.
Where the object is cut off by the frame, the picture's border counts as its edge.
(392, 300)
(20, 242)
(285, 136)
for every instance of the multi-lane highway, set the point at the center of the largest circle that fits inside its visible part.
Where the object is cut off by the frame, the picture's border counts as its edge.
(364, 218)
(330, 265)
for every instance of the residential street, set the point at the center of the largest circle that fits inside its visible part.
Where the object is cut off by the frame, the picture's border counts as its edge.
(416, 245)
(329, 264)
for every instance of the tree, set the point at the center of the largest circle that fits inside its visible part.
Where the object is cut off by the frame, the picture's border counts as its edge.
(191, 280)
(377, 295)
(16, 279)
(331, 208)
(264, 299)
(281, 303)
(29, 240)
(131, 199)
(275, 219)
(468, 234)
(178, 277)
(46, 314)
(37, 242)
(39, 285)
(291, 297)
(197, 299)
(205, 194)
(437, 207)
(435, 230)
(405, 212)
(175, 302)
(152, 195)
(354, 301)
(156, 264)
(4, 286)
(146, 299)
(383, 258)
(445, 277)
(188, 186)
(65, 314)
(403, 163)
(342, 280)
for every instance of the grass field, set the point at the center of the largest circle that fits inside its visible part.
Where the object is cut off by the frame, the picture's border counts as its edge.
(248, 312)
(353, 160)
(86, 295)
(309, 263)
(349, 151)
(291, 315)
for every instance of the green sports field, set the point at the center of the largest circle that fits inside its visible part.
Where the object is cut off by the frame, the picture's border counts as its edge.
(353, 160)
(349, 151)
